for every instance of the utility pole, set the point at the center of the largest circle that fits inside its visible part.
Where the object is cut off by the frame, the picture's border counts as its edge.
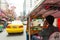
(30, 21)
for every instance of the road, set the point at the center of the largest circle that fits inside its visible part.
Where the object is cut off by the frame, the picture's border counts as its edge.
(4, 35)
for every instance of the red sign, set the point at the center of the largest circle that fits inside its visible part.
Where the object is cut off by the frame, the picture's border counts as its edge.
(58, 23)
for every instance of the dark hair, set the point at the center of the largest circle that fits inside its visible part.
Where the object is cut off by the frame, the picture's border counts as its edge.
(50, 19)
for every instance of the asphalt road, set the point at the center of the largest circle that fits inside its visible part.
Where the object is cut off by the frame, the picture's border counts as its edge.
(4, 35)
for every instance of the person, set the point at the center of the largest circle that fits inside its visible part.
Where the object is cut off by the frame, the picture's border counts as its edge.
(46, 32)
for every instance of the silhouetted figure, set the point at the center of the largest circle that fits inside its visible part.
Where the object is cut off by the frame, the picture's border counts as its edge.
(50, 29)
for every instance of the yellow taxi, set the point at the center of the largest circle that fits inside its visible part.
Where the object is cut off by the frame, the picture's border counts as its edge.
(15, 27)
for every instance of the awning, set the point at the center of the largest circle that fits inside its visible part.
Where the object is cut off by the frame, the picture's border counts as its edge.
(41, 11)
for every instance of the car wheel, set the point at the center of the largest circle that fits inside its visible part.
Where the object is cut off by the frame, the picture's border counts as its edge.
(22, 32)
(0, 31)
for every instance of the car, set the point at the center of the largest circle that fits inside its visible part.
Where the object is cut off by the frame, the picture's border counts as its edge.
(1, 27)
(25, 22)
(15, 27)
(9, 22)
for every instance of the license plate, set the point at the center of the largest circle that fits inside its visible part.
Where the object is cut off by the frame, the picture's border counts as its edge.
(14, 26)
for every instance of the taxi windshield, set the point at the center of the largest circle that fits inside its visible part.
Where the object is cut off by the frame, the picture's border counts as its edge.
(16, 22)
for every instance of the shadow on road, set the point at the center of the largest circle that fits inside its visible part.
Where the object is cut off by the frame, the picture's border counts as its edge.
(14, 34)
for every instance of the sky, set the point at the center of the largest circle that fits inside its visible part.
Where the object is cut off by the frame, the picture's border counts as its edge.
(18, 4)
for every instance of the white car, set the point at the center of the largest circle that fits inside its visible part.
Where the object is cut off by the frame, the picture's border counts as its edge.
(9, 22)
(25, 22)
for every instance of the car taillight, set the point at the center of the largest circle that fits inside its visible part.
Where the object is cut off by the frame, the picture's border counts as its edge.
(8, 26)
(20, 26)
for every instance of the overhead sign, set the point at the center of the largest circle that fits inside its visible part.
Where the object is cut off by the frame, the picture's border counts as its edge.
(58, 21)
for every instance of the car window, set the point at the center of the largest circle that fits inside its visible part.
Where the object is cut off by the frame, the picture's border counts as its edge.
(16, 22)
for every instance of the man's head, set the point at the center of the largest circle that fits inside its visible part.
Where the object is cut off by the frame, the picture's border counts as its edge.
(50, 19)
